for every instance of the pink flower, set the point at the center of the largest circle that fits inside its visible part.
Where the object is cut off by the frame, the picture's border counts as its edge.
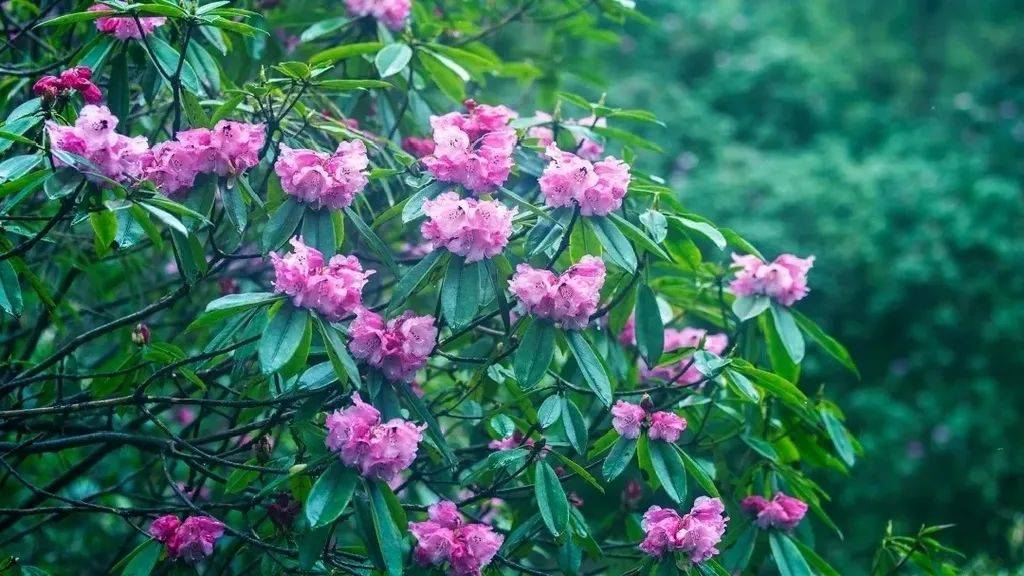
(379, 450)
(238, 146)
(230, 148)
(473, 149)
(666, 426)
(516, 440)
(125, 27)
(784, 280)
(627, 419)
(470, 228)
(418, 147)
(695, 534)
(683, 371)
(118, 157)
(400, 347)
(444, 537)
(392, 13)
(321, 180)
(597, 188)
(77, 79)
(191, 540)
(628, 335)
(782, 511)
(569, 299)
(334, 290)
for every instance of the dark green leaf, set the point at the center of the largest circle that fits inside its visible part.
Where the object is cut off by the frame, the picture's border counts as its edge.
(575, 426)
(282, 224)
(789, 332)
(392, 59)
(388, 537)
(534, 354)
(669, 469)
(280, 342)
(617, 248)
(650, 332)
(375, 243)
(837, 433)
(787, 556)
(460, 292)
(330, 494)
(333, 55)
(10, 290)
(828, 343)
(590, 366)
(344, 366)
(413, 278)
(420, 411)
(549, 412)
(144, 559)
(551, 500)
(620, 456)
(699, 474)
(637, 235)
(318, 231)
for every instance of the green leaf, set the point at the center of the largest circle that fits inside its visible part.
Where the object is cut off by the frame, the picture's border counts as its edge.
(194, 112)
(574, 425)
(333, 55)
(413, 208)
(650, 332)
(837, 433)
(17, 166)
(534, 354)
(227, 306)
(168, 58)
(551, 500)
(421, 411)
(699, 474)
(460, 292)
(590, 366)
(104, 228)
(225, 109)
(346, 85)
(828, 343)
(280, 342)
(821, 567)
(322, 28)
(789, 332)
(409, 282)
(550, 411)
(775, 385)
(742, 386)
(669, 469)
(10, 290)
(617, 247)
(311, 546)
(330, 494)
(143, 559)
(787, 556)
(747, 307)
(282, 224)
(318, 231)
(388, 537)
(450, 83)
(637, 235)
(392, 59)
(579, 471)
(762, 447)
(618, 458)
(705, 228)
(234, 206)
(73, 18)
(344, 366)
(373, 241)
(781, 363)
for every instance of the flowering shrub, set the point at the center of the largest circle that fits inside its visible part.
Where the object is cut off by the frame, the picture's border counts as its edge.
(476, 290)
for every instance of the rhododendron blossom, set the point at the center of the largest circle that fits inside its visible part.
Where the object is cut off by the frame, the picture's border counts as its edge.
(628, 419)
(782, 511)
(471, 228)
(323, 180)
(379, 450)
(784, 280)
(392, 13)
(473, 149)
(694, 534)
(399, 347)
(684, 371)
(445, 538)
(333, 288)
(191, 540)
(117, 156)
(125, 27)
(598, 188)
(230, 148)
(78, 79)
(418, 147)
(569, 299)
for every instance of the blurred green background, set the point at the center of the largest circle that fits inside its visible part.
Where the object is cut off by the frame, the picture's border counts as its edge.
(886, 138)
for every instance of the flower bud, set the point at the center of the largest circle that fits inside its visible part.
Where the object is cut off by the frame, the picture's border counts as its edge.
(262, 448)
(140, 335)
(647, 404)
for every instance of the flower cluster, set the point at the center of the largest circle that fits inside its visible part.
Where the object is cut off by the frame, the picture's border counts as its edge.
(191, 540)
(117, 156)
(399, 347)
(378, 449)
(125, 27)
(333, 288)
(474, 229)
(784, 280)
(695, 534)
(569, 299)
(418, 147)
(324, 180)
(445, 538)
(473, 149)
(229, 148)
(782, 511)
(627, 419)
(598, 187)
(586, 148)
(393, 13)
(683, 371)
(77, 79)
